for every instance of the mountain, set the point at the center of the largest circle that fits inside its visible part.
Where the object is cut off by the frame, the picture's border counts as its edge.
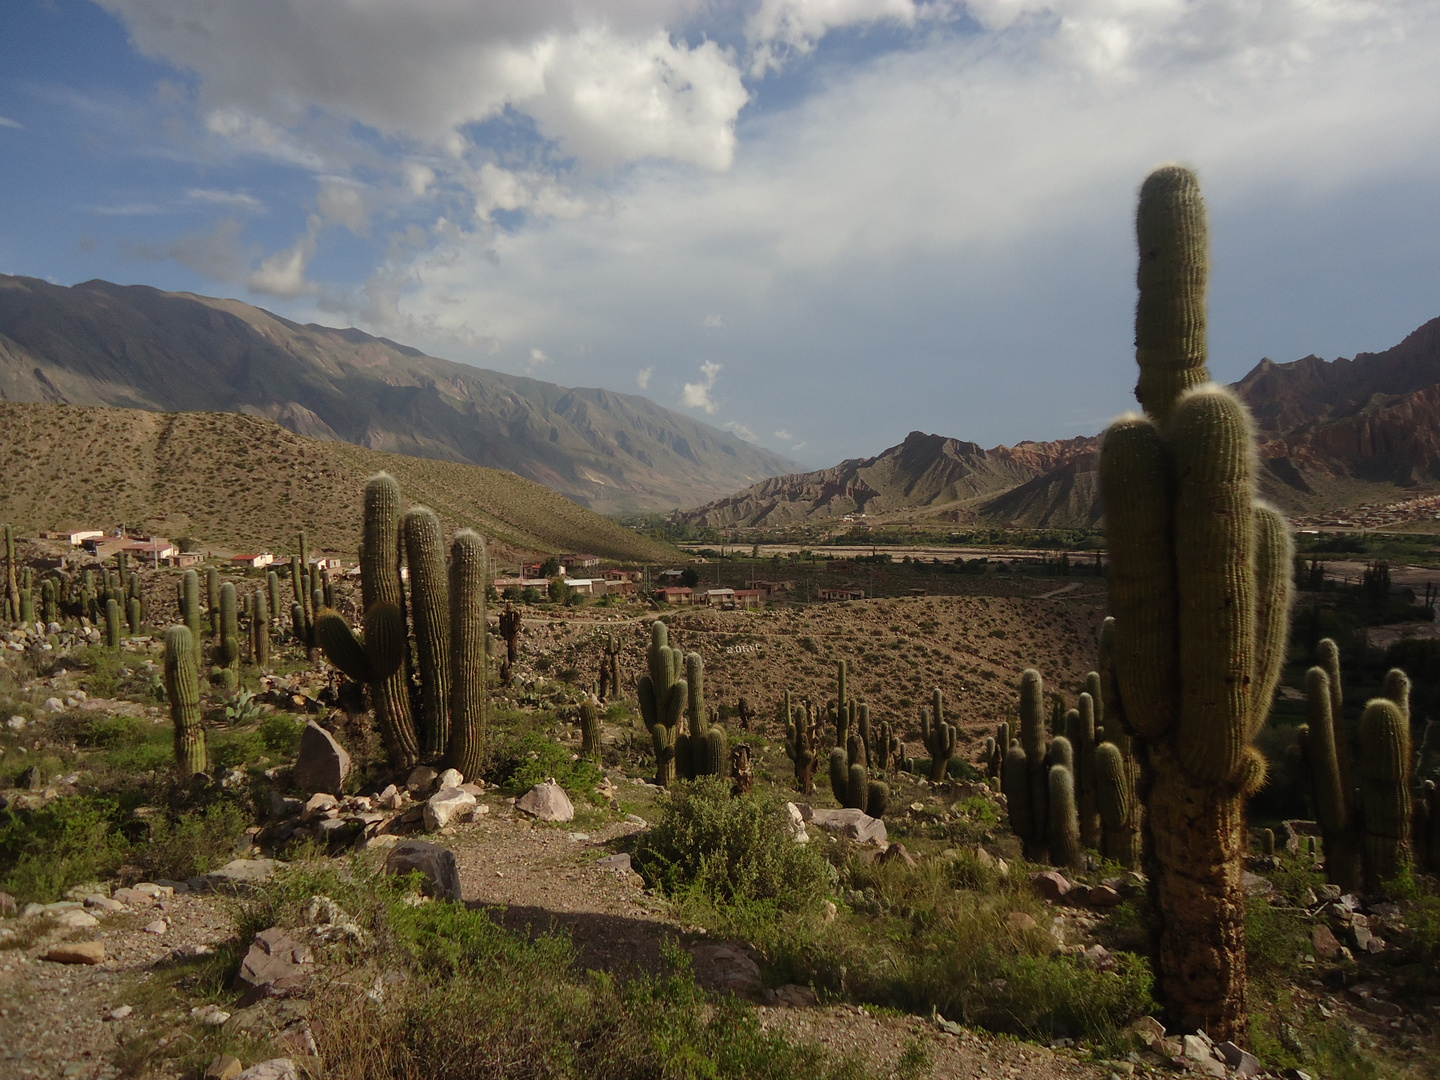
(135, 347)
(248, 484)
(1331, 434)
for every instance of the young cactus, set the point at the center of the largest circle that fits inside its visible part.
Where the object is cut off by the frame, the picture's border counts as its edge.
(940, 737)
(1385, 791)
(1119, 806)
(112, 623)
(588, 715)
(663, 696)
(1064, 825)
(801, 742)
(430, 619)
(182, 688)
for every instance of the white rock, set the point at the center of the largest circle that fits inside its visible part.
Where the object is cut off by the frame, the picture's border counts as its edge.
(274, 1069)
(445, 806)
(54, 704)
(121, 1013)
(97, 902)
(15, 723)
(547, 802)
(209, 1015)
(159, 926)
(450, 778)
(77, 920)
(795, 824)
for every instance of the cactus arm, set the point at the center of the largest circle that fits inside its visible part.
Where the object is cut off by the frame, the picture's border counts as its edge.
(1274, 594)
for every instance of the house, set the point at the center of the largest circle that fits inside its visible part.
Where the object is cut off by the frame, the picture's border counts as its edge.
(721, 598)
(620, 588)
(771, 588)
(186, 558)
(587, 586)
(669, 577)
(73, 537)
(749, 598)
(675, 594)
(325, 562)
(841, 594)
(150, 549)
(252, 562)
(581, 562)
(620, 575)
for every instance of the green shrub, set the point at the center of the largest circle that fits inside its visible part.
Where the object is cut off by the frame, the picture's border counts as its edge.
(65, 842)
(197, 841)
(280, 734)
(116, 732)
(525, 757)
(729, 850)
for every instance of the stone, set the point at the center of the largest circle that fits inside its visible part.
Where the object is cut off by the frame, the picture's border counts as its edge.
(436, 863)
(274, 1069)
(1020, 921)
(547, 802)
(77, 952)
(222, 1067)
(1242, 1063)
(619, 863)
(240, 875)
(852, 824)
(322, 763)
(1098, 957)
(317, 804)
(449, 778)
(276, 965)
(1324, 942)
(1327, 892)
(897, 852)
(421, 780)
(1148, 1029)
(1103, 896)
(1050, 884)
(77, 920)
(121, 1013)
(159, 926)
(97, 902)
(725, 968)
(795, 824)
(795, 996)
(8, 907)
(30, 779)
(209, 1015)
(1255, 885)
(446, 806)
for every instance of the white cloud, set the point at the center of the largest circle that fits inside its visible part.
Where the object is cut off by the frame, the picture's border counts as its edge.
(781, 27)
(740, 429)
(642, 377)
(237, 200)
(253, 134)
(6, 122)
(714, 322)
(783, 435)
(536, 361)
(503, 189)
(283, 273)
(696, 395)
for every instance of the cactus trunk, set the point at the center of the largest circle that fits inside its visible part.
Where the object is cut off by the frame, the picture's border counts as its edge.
(380, 584)
(182, 688)
(469, 658)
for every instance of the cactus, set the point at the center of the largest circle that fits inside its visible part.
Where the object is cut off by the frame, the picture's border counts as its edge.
(1063, 830)
(940, 737)
(272, 585)
(588, 715)
(49, 602)
(112, 623)
(212, 601)
(260, 629)
(380, 584)
(122, 569)
(132, 615)
(27, 606)
(1015, 786)
(1118, 805)
(802, 736)
(840, 774)
(1324, 745)
(857, 787)
(1385, 791)
(11, 611)
(663, 696)
(469, 652)
(717, 751)
(1267, 843)
(1088, 722)
(1034, 742)
(1062, 754)
(610, 667)
(429, 616)
(190, 608)
(182, 688)
(1200, 580)
(877, 798)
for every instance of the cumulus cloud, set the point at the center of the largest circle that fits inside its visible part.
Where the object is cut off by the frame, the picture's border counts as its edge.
(537, 360)
(737, 428)
(642, 377)
(497, 188)
(779, 28)
(714, 322)
(696, 395)
(782, 435)
(218, 254)
(283, 273)
(343, 202)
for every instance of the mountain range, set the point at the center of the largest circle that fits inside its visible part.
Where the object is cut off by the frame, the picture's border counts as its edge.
(135, 347)
(1331, 434)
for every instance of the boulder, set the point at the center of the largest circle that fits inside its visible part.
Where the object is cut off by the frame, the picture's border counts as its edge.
(274, 1069)
(442, 873)
(897, 851)
(421, 780)
(726, 969)
(449, 778)
(1050, 884)
(795, 824)
(547, 802)
(77, 952)
(239, 875)
(1103, 896)
(1324, 942)
(277, 964)
(222, 1067)
(853, 824)
(77, 920)
(322, 763)
(447, 805)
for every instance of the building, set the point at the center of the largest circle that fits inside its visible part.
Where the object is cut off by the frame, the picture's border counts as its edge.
(721, 598)
(73, 537)
(187, 558)
(841, 594)
(252, 562)
(620, 575)
(675, 594)
(587, 586)
(580, 562)
(749, 598)
(771, 589)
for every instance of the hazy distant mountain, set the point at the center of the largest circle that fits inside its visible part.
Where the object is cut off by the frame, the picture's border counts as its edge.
(1331, 434)
(136, 347)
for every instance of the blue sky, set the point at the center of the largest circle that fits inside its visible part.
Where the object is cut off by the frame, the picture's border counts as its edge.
(820, 223)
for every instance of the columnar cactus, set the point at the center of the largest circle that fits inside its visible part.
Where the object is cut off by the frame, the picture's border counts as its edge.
(212, 601)
(12, 585)
(1118, 805)
(260, 629)
(941, 738)
(380, 584)
(1200, 577)
(840, 775)
(27, 606)
(1088, 721)
(663, 696)
(1034, 741)
(112, 623)
(588, 715)
(469, 652)
(1063, 830)
(802, 739)
(227, 656)
(190, 608)
(610, 667)
(182, 688)
(1015, 786)
(430, 617)
(133, 617)
(1385, 791)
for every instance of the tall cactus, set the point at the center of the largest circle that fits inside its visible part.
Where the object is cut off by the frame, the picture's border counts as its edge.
(182, 688)
(430, 618)
(272, 585)
(1385, 790)
(227, 656)
(940, 737)
(1064, 826)
(190, 608)
(588, 715)
(663, 696)
(469, 654)
(11, 610)
(1119, 806)
(1200, 578)
(1035, 744)
(802, 739)
(112, 623)
(260, 629)
(380, 584)
(212, 601)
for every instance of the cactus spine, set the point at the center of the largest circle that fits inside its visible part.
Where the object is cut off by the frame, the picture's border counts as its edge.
(182, 688)
(663, 696)
(1200, 578)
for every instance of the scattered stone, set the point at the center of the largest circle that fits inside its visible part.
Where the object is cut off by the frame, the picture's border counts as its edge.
(1242, 1063)
(547, 802)
(317, 805)
(209, 1015)
(852, 824)
(8, 908)
(1148, 1029)
(240, 875)
(77, 920)
(725, 968)
(447, 805)
(795, 824)
(1020, 921)
(830, 910)
(442, 874)
(274, 1069)
(636, 819)
(275, 965)
(619, 863)
(1327, 892)
(159, 926)
(897, 851)
(795, 996)
(1050, 884)
(222, 1067)
(449, 778)
(421, 780)
(1098, 957)
(121, 1013)
(97, 902)
(322, 763)
(54, 704)
(30, 779)
(1255, 885)
(1103, 896)
(77, 952)
(1323, 940)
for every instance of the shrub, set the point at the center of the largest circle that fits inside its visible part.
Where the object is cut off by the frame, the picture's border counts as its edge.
(65, 842)
(193, 842)
(280, 734)
(526, 757)
(729, 850)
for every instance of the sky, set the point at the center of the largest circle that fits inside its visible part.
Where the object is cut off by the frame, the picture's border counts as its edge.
(820, 224)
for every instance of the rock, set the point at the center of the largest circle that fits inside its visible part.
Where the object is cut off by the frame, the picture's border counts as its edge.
(121, 1013)
(1381, 1007)
(77, 952)
(853, 824)
(1295, 1074)
(1255, 885)
(240, 875)
(547, 802)
(1050, 884)
(446, 805)
(619, 863)
(1020, 921)
(830, 910)
(317, 805)
(30, 779)
(1103, 896)
(421, 780)
(1098, 957)
(322, 763)
(897, 852)
(442, 874)
(984, 858)
(1148, 1029)
(1324, 942)
(222, 1067)
(209, 1015)
(97, 902)
(276, 965)
(449, 778)
(725, 968)
(1327, 892)
(54, 704)
(77, 920)
(274, 1069)
(8, 908)
(159, 926)
(1241, 1062)
(636, 819)
(795, 996)
(795, 824)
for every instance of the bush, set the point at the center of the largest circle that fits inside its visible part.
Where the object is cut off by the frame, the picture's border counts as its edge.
(526, 757)
(185, 844)
(280, 734)
(65, 842)
(729, 850)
